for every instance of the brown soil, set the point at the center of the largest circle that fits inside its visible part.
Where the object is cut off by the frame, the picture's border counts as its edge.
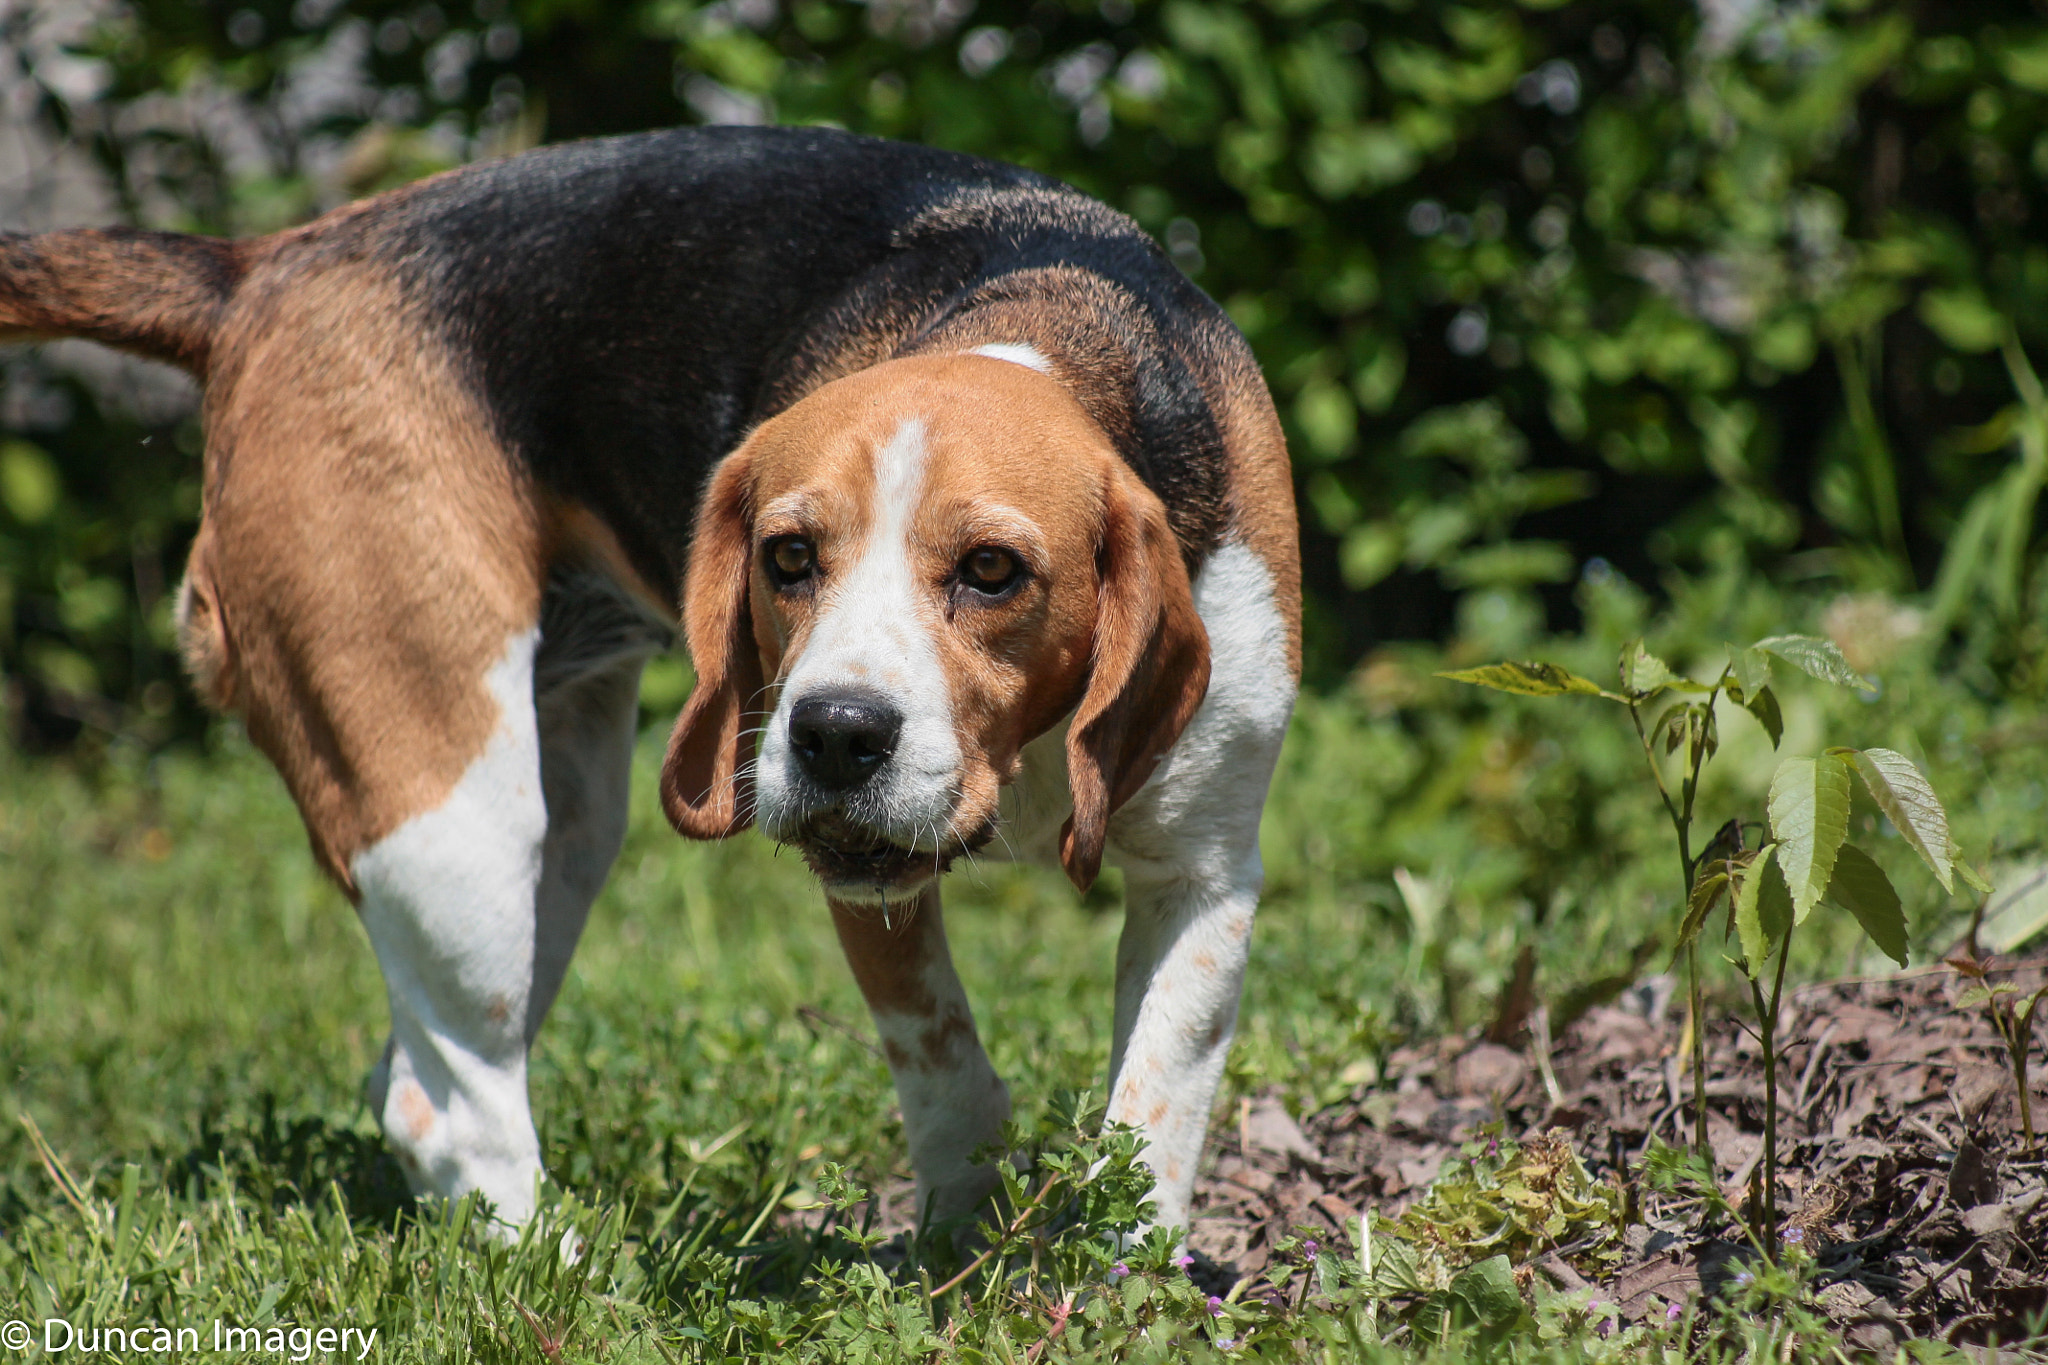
(1900, 1152)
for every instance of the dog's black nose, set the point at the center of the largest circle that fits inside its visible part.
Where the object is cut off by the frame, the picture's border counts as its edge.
(842, 741)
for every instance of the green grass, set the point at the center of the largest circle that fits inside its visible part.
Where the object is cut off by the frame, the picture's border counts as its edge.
(187, 1012)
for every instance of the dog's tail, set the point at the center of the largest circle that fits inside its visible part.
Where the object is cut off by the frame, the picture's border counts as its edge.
(157, 293)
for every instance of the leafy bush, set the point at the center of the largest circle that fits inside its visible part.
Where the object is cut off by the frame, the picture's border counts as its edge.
(1536, 285)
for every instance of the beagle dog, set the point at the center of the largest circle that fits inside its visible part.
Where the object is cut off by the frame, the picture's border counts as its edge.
(976, 511)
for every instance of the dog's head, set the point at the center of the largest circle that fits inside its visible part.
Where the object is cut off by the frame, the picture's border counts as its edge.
(898, 583)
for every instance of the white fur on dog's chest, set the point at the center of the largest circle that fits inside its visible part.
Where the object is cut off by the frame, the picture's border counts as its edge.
(1035, 803)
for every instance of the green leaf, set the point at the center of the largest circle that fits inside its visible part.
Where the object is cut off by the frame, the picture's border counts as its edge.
(1810, 817)
(1706, 734)
(2024, 59)
(1486, 1291)
(1752, 668)
(1774, 903)
(1642, 671)
(1527, 678)
(1763, 704)
(1670, 727)
(2033, 1008)
(1763, 909)
(1726, 845)
(1705, 892)
(29, 483)
(1816, 657)
(1962, 318)
(1906, 797)
(1514, 564)
(1860, 887)
(1983, 995)
(1972, 878)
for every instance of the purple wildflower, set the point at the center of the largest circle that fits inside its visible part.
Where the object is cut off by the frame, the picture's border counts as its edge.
(1744, 1280)
(1673, 1313)
(1795, 1235)
(1119, 1270)
(1183, 1260)
(1311, 1247)
(1604, 1328)
(1226, 1343)
(1215, 1306)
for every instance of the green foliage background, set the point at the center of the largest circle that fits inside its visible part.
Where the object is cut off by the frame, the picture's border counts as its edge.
(1543, 289)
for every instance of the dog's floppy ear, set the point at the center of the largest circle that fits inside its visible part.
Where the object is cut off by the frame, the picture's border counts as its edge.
(1149, 672)
(707, 782)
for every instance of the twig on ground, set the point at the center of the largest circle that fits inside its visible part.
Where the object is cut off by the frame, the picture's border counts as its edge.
(1015, 1226)
(1951, 1268)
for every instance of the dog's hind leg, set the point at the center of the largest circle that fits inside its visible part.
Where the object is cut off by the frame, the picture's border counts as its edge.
(450, 899)
(476, 907)
(367, 591)
(595, 637)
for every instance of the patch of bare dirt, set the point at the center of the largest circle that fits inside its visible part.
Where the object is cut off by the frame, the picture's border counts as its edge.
(1901, 1157)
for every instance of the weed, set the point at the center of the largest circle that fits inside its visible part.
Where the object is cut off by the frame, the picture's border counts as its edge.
(1768, 891)
(1507, 1199)
(2015, 1025)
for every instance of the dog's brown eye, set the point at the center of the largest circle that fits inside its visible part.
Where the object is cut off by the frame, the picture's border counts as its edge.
(989, 570)
(791, 559)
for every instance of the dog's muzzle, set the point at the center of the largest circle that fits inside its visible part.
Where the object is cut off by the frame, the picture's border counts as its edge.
(841, 743)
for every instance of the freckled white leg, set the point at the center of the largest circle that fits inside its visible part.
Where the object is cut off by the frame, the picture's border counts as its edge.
(448, 900)
(1179, 971)
(1189, 846)
(475, 909)
(953, 1102)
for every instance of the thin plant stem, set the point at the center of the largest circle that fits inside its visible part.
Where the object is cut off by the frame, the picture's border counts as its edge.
(1681, 824)
(2018, 1031)
(1700, 1140)
(1701, 1145)
(1649, 751)
(1696, 761)
(1767, 1021)
(2019, 1071)
(2019, 1076)
(1008, 1234)
(1680, 812)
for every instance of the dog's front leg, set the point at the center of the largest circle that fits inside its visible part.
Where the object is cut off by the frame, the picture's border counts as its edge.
(1179, 971)
(953, 1101)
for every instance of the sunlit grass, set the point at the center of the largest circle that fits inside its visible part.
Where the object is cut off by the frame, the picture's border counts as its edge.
(183, 995)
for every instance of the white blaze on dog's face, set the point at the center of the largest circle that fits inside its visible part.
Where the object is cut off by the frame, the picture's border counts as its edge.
(921, 581)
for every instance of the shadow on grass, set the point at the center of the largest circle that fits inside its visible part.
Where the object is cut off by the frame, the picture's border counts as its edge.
(280, 1161)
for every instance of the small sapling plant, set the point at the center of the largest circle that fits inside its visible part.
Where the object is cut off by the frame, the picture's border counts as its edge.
(2013, 1021)
(1804, 857)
